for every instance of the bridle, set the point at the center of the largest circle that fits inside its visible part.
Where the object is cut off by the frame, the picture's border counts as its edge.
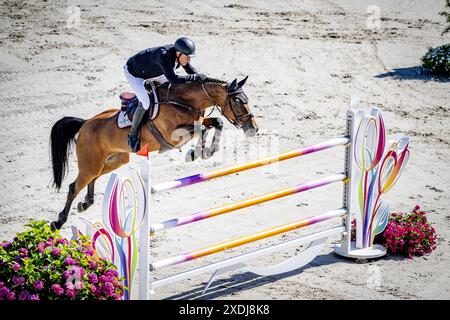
(244, 99)
(238, 94)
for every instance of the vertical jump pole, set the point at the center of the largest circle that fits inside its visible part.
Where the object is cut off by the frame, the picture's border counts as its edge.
(144, 239)
(346, 237)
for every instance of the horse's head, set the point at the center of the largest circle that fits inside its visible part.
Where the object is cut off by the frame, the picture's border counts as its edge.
(236, 109)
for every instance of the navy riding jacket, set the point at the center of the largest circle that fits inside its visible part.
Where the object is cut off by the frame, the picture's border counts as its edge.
(154, 62)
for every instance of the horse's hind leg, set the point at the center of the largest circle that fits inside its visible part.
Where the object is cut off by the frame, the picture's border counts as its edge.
(74, 188)
(111, 164)
(89, 199)
(90, 165)
(115, 161)
(62, 217)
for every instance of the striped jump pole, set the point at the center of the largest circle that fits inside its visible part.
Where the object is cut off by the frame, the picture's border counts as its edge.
(221, 246)
(172, 223)
(201, 177)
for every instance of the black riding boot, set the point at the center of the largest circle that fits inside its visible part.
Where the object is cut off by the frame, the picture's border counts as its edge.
(133, 136)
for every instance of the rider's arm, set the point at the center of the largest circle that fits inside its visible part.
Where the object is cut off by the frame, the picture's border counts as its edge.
(189, 68)
(171, 75)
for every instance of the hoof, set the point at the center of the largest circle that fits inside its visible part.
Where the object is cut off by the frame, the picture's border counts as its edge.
(190, 156)
(54, 225)
(207, 153)
(81, 207)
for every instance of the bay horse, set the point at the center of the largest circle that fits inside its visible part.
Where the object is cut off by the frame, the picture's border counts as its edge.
(101, 146)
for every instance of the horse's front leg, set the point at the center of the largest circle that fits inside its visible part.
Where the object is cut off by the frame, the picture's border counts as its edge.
(201, 130)
(217, 124)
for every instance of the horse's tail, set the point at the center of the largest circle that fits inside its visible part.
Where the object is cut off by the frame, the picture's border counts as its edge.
(61, 138)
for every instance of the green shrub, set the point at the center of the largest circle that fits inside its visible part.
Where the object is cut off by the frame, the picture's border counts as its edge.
(438, 60)
(39, 264)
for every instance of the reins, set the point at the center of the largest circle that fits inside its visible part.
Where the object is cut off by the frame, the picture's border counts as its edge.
(213, 104)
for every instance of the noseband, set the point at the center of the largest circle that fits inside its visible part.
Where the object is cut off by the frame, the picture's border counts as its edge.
(238, 122)
(239, 95)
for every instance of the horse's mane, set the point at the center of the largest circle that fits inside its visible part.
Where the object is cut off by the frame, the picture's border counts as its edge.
(208, 80)
(214, 81)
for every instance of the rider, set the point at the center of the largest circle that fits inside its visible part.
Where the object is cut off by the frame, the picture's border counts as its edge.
(157, 64)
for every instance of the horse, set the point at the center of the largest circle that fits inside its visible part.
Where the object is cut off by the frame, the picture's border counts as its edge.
(101, 146)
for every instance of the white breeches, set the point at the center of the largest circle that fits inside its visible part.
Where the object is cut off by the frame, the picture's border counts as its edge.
(137, 85)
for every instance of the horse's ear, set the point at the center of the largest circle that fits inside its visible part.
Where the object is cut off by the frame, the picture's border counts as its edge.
(232, 86)
(242, 82)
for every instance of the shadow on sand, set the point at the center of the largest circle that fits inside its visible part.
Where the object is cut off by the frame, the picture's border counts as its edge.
(413, 73)
(247, 280)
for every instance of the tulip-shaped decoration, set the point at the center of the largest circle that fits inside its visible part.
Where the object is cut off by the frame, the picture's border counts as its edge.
(375, 172)
(115, 239)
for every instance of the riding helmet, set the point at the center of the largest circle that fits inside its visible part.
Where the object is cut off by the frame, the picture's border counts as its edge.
(186, 46)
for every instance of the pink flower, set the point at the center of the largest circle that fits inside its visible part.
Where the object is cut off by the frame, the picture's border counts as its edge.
(56, 252)
(69, 285)
(62, 241)
(38, 284)
(112, 272)
(4, 291)
(80, 271)
(57, 289)
(79, 285)
(93, 289)
(23, 251)
(41, 247)
(93, 278)
(70, 262)
(6, 245)
(11, 296)
(33, 297)
(18, 280)
(92, 265)
(71, 293)
(16, 266)
(108, 288)
(24, 295)
(50, 241)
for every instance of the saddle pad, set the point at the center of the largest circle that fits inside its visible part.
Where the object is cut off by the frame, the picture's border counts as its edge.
(122, 120)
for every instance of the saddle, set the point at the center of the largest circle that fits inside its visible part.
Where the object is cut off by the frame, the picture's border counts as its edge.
(129, 103)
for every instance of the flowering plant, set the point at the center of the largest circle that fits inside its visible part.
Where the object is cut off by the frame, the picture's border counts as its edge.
(40, 264)
(409, 234)
(438, 59)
